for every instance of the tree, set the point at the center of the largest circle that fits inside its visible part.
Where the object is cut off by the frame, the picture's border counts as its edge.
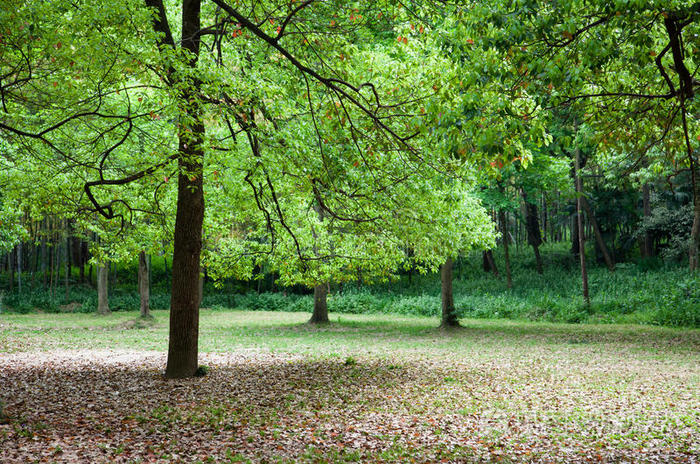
(128, 79)
(629, 70)
(144, 285)
(103, 288)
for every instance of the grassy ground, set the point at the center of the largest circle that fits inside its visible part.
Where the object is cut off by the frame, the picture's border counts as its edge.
(81, 388)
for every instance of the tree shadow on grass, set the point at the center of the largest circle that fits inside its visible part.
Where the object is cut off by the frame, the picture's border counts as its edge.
(90, 409)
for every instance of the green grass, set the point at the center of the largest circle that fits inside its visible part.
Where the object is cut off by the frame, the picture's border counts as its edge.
(367, 387)
(370, 333)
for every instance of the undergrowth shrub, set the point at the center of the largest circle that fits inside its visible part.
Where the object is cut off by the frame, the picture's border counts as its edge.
(648, 293)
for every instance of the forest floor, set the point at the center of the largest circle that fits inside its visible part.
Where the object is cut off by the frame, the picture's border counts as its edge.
(365, 388)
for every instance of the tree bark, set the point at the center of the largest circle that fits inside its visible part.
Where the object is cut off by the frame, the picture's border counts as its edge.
(581, 242)
(19, 266)
(11, 267)
(187, 242)
(200, 286)
(184, 301)
(103, 289)
(144, 286)
(695, 231)
(648, 245)
(598, 235)
(320, 314)
(66, 277)
(44, 267)
(449, 313)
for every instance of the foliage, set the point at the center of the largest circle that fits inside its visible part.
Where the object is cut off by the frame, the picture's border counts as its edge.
(672, 225)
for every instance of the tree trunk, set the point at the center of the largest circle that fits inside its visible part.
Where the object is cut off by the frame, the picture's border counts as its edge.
(66, 280)
(19, 266)
(449, 313)
(44, 267)
(534, 238)
(506, 253)
(187, 242)
(11, 267)
(598, 235)
(103, 289)
(200, 286)
(695, 231)
(574, 232)
(144, 285)
(81, 261)
(490, 263)
(320, 314)
(581, 242)
(647, 248)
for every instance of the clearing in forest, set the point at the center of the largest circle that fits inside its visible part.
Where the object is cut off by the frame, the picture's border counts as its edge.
(379, 388)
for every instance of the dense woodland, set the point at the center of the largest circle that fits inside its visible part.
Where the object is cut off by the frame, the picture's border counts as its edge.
(215, 149)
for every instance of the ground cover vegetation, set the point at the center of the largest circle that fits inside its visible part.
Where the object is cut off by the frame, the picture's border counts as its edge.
(519, 159)
(369, 388)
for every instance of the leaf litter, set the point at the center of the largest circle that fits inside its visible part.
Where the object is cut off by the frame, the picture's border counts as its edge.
(256, 405)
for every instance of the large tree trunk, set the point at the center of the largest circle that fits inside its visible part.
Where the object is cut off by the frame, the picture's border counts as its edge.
(534, 237)
(598, 235)
(187, 242)
(200, 286)
(449, 313)
(320, 314)
(184, 302)
(102, 289)
(144, 285)
(506, 253)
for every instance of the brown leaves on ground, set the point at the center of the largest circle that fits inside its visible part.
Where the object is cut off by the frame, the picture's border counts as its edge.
(115, 406)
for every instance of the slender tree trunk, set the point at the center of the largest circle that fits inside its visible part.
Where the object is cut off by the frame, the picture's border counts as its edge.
(449, 313)
(19, 266)
(68, 268)
(598, 235)
(11, 266)
(581, 242)
(81, 261)
(695, 231)
(506, 253)
(648, 248)
(320, 314)
(44, 267)
(103, 289)
(144, 285)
